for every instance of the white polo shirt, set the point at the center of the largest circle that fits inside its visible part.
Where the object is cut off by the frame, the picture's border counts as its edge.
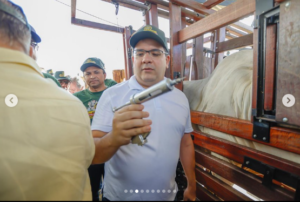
(145, 172)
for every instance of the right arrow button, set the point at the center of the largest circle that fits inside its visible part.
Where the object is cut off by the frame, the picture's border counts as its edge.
(288, 100)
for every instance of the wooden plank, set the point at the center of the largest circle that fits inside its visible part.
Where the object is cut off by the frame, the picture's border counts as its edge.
(73, 8)
(288, 77)
(96, 25)
(220, 37)
(212, 3)
(235, 43)
(227, 15)
(270, 66)
(194, 5)
(165, 6)
(282, 138)
(243, 27)
(147, 18)
(234, 31)
(125, 56)
(204, 195)
(242, 178)
(187, 68)
(237, 152)
(218, 187)
(176, 47)
(129, 66)
(198, 67)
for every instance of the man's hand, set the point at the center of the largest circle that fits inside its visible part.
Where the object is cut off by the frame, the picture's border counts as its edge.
(190, 194)
(129, 122)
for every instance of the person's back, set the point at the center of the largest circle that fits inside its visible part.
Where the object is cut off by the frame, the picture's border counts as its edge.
(46, 144)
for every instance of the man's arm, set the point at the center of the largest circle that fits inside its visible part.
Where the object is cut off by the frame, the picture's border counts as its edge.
(187, 158)
(127, 122)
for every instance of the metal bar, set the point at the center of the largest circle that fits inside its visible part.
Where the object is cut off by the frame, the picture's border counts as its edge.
(96, 25)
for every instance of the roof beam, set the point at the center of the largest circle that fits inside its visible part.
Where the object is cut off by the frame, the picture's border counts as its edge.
(194, 5)
(212, 3)
(97, 25)
(227, 15)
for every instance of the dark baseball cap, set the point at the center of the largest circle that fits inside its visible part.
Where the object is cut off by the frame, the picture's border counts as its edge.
(92, 62)
(60, 75)
(49, 71)
(34, 36)
(11, 11)
(149, 32)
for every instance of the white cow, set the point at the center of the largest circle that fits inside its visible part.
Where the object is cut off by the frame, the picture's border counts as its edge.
(228, 91)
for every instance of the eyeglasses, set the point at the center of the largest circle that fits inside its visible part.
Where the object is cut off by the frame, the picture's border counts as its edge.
(155, 53)
(64, 81)
(34, 45)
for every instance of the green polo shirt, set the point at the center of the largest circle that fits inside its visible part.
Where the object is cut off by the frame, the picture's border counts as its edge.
(89, 100)
(110, 82)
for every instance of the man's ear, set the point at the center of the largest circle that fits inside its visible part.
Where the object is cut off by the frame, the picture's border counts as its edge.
(168, 57)
(31, 51)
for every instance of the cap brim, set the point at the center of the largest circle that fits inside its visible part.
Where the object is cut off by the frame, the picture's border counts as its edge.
(62, 78)
(86, 65)
(35, 37)
(146, 35)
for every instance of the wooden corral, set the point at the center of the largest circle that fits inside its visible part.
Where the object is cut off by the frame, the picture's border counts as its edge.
(275, 73)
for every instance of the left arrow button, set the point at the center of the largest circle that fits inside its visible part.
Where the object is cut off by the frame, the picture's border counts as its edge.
(11, 100)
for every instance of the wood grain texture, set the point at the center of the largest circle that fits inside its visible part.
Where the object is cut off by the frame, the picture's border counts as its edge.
(281, 138)
(227, 15)
(237, 152)
(288, 79)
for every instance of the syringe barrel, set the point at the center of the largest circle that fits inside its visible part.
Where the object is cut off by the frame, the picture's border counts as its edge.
(151, 92)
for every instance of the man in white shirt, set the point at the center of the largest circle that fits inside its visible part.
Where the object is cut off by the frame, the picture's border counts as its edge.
(146, 172)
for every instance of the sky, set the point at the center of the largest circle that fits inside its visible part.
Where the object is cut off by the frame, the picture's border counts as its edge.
(65, 47)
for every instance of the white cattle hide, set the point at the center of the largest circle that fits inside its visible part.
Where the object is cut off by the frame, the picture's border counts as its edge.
(228, 92)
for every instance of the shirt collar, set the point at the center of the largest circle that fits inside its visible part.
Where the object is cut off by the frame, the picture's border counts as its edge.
(13, 56)
(134, 85)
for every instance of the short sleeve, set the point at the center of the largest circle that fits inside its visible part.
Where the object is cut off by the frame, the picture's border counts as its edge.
(103, 117)
(188, 125)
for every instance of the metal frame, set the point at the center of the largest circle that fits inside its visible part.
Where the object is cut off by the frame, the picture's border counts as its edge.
(263, 121)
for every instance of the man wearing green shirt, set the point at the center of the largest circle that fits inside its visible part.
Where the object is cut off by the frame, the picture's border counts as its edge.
(95, 77)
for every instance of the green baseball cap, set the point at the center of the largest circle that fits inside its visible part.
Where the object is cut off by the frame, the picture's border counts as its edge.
(149, 32)
(92, 62)
(49, 71)
(60, 75)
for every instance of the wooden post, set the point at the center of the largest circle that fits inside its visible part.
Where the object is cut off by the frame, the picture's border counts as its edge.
(220, 37)
(176, 47)
(127, 52)
(199, 58)
(183, 61)
(151, 16)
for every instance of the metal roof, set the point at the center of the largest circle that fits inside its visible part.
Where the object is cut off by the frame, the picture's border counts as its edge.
(224, 3)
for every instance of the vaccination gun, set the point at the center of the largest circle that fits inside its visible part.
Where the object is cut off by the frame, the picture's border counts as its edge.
(147, 94)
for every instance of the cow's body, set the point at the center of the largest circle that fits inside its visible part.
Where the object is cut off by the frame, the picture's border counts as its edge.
(228, 92)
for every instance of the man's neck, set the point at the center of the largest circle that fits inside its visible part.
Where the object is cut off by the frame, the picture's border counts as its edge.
(97, 89)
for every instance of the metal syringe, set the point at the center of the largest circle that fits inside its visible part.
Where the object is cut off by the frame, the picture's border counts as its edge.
(158, 89)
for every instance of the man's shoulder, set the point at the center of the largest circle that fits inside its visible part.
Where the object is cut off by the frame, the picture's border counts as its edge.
(110, 82)
(81, 93)
(118, 87)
